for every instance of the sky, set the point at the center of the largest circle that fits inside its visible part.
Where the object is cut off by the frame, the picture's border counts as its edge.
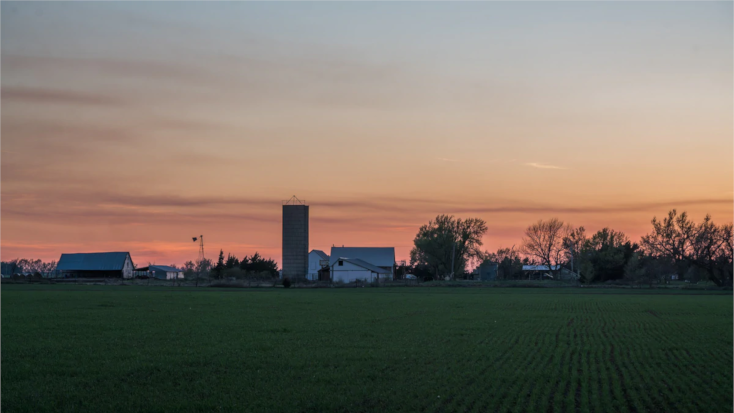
(134, 126)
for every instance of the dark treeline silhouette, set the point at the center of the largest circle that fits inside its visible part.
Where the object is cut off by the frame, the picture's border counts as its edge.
(675, 248)
(254, 266)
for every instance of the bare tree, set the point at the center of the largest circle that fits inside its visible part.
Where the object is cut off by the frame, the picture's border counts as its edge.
(543, 241)
(707, 246)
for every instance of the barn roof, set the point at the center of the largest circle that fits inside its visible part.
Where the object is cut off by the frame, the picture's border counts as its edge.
(365, 265)
(93, 261)
(538, 267)
(321, 254)
(165, 268)
(378, 256)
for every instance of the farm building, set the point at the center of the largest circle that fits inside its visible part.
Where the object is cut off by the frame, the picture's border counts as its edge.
(162, 272)
(536, 271)
(96, 265)
(487, 271)
(317, 259)
(381, 257)
(352, 269)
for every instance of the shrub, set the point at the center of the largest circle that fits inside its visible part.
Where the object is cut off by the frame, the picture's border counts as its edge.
(286, 282)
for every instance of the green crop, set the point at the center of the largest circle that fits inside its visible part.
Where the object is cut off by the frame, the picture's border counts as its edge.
(125, 348)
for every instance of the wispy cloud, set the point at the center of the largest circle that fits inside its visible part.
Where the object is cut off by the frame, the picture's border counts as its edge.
(43, 95)
(544, 166)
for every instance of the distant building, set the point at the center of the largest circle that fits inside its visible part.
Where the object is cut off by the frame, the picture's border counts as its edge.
(96, 265)
(539, 271)
(487, 271)
(381, 257)
(317, 259)
(353, 269)
(161, 272)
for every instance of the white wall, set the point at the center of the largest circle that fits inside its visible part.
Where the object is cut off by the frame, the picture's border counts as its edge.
(350, 272)
(313, 266)
(127, 268)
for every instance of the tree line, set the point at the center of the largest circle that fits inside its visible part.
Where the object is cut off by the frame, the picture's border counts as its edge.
(675, 246)
(254, 266)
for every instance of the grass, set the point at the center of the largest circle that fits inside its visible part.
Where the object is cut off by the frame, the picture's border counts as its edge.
(128, 348)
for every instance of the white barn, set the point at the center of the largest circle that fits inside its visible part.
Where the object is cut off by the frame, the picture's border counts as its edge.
(382, 258)
(353, 269)
(315, 257)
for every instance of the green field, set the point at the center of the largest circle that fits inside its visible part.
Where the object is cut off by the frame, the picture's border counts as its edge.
(125, 348)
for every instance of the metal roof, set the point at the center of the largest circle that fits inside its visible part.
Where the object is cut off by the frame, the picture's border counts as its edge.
(93, 261)
(378, 256)
(538, 267)
(321, 254)
(165, 268)
(365, 265)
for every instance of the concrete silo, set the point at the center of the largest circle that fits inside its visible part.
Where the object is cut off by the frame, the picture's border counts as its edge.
(295, 239)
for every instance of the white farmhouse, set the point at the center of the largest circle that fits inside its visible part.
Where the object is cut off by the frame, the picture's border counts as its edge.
(315, 259)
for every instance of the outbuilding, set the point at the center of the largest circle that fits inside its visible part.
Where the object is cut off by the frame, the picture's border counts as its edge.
(161, 272)
(96, 265)
(381, 257)
(353, 269)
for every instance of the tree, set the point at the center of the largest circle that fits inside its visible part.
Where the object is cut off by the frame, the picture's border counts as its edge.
(509, 264)
(543, 241)
(574, 243)
(607, 252)
(231, 262)
(256, 264)
(706, 246)
(202, 266)
(219, 268)
(446, 245)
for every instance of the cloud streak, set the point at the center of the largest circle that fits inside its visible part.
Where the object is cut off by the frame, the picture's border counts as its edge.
(57, 96)
(544, 166)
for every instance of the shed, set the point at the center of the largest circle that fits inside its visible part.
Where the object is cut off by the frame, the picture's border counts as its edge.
(162, 272)
(96, 265)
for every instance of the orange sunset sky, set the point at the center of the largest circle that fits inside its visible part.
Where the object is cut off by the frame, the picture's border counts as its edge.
(135, 126)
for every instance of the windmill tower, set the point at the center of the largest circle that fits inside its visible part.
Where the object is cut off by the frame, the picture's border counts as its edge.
(200, 259)
(200, 238)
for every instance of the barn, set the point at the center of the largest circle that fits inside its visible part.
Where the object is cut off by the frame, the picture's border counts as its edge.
(380, 257)
(353, 269)
(96, 265)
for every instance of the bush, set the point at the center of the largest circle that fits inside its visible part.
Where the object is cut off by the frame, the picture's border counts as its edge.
(286, 282)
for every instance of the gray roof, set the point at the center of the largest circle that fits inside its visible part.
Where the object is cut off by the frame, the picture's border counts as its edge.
(321, 254)
(93, 261)
(378, 256)
(165, 268)
(538, 267)
(365, 265)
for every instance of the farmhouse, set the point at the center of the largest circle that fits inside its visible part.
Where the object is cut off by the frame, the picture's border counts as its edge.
(96, 265)
(317, 260)
(162, 272)
(382, 258)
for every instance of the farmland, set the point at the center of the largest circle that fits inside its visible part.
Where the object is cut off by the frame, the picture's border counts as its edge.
(127, 348)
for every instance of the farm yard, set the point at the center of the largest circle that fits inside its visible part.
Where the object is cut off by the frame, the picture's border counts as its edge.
(131, 348)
